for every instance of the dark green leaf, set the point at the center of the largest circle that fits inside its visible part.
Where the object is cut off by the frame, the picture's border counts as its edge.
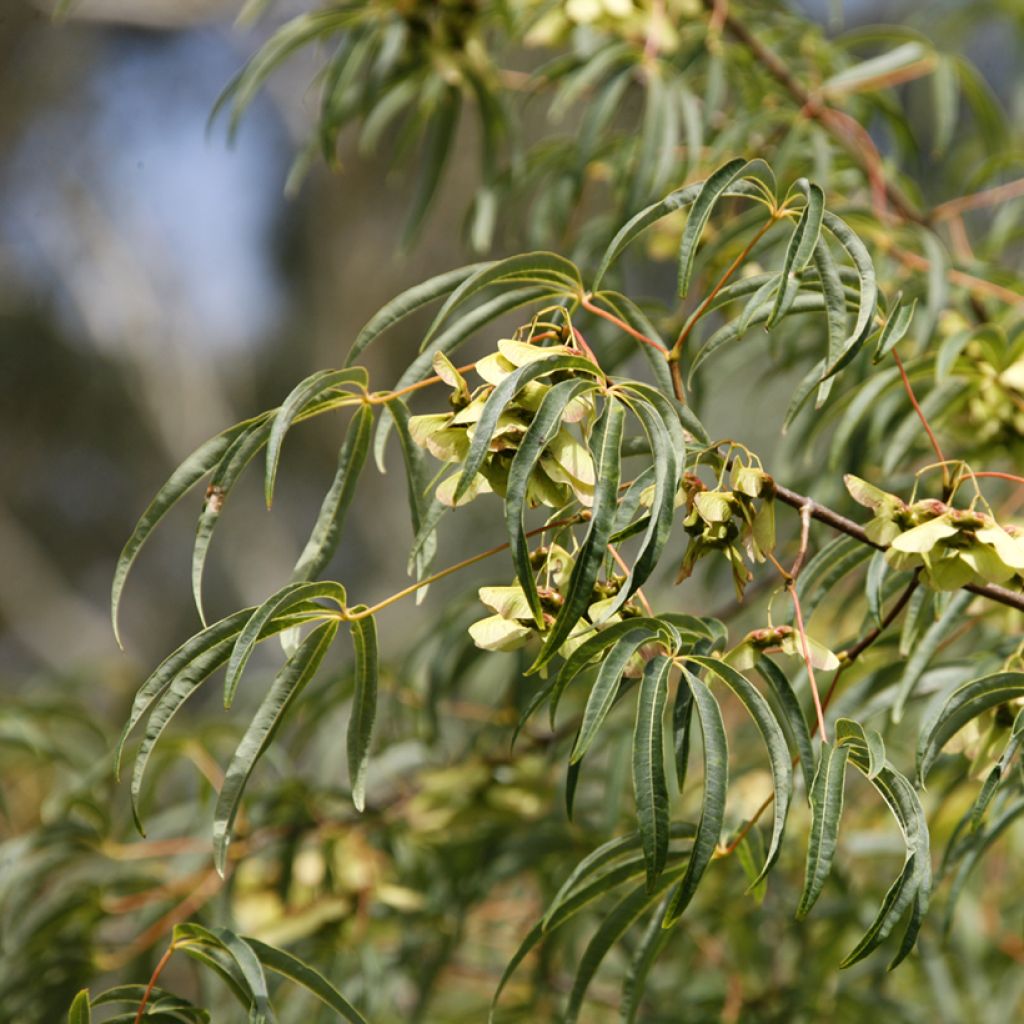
(649, 786)
(801, 248)
(364, 705)
(826, 799)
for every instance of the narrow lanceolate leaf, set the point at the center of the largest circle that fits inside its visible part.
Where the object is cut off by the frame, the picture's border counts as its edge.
(202, 945)
(638, 223)
(252, 970)
(436, 150)
(925, 649)
(801, 248)
(184, 685)
(826, 799)
(607, 439)
(239, 454)
(312, 981)
(649, 786)
(912, 887)
(315, 386)
(613, 926)
(417, 480)
(542, 429)
(408, 302)
(716, 781)
(835, 299)
(364, 705)
(878, 567)
(775, 742)
(606, 689)
(711, 191)
(181, 481)
(80, 1012)
(500, 398)
(543, 268)
(969, 701)
(323, 540)
(668, 448)
(594, 646)
(286, 598)
(652, 942)
(867, 742)
(868, 300)
(895, 329)
(174, 664)
(792, 717)
(828, 566)
(682, 715)
(286, 686)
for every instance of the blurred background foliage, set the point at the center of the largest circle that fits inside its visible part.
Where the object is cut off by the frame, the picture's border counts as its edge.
(156, 284)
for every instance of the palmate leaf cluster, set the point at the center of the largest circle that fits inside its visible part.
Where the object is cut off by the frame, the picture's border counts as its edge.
(689, 743)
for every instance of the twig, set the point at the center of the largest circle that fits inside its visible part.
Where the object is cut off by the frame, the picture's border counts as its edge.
(587, 303)
(921, 416)
(987, 197)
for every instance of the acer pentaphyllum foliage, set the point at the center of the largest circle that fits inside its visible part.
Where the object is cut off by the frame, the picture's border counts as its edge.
(734, 650)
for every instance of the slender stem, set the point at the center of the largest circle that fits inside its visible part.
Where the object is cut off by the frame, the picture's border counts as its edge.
(380, 397)
(161, 964)
(806, 648)
(921, 416)
(987, 197)
(732, 268)
(621, 563)
(1001, 476)
(587, 303)
(347, 616)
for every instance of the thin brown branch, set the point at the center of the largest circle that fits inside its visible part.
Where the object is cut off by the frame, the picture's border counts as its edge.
(921, 416)
(587, 303)
(977, 200)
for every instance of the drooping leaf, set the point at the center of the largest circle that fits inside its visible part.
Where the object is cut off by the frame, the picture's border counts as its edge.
(775, 742)
(716, 781)
(896, 326)
(650, 946)
(252, 970)
(826, 799)
(286, 686)
(364, 704)
(998, 773)
(801, 248)
(826, 568)
(323, 540)
(291, 967)
(649, 786)
(867, 740)
(436, 150)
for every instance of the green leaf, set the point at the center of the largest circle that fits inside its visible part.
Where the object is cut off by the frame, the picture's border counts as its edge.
(286, 686)
(597, 644)
(545, 424)
(252, 970)
(578, 596)
(181, 481)
(639, 222)
(286, 598)
(868, 291)
(613, 926)
(937, 633)
(283, 963)
(499, 399)
(169, 669)
(606, 689)
(864, 73)
(80, 1012)
(998, 773)
(682, 714)
(868, 741)
(559, 276)
(417, 483)
(826, 799)
(239, 454)
(364, 705)
(716, 781)
(896, 326)
(408, 302)
(774, 740)
(323, 540)
(835, 307)
(877, 569)
(802, 244)
(828, 566)
(965, 703)
(202, 945)
(651, 944)
(649, 786)
(711, 191)
(316, 385)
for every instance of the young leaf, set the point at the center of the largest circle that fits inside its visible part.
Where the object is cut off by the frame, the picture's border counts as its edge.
(866, 741)
(802, 244)
(80, 1011)
(286, 686)
(323, 540)
(716, 781)
(826, 799)
(364, 705)
(896, 326)
(649, 786)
